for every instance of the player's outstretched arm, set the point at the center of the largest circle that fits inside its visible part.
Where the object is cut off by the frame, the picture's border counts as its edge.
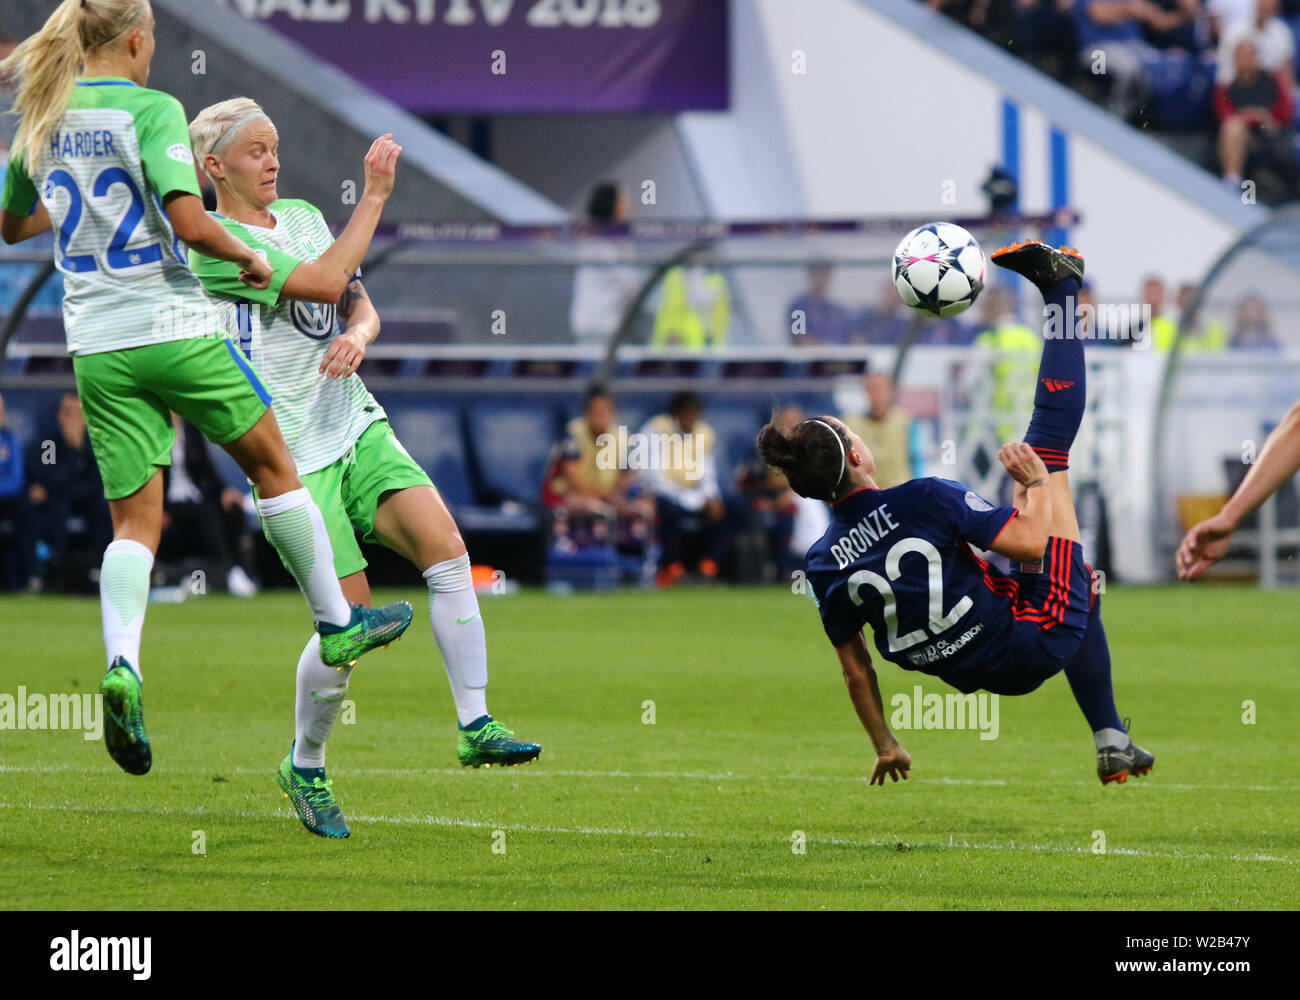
(16, 228)
(1024, 539)
(864, 691)
(326, 278)
(1206, 543)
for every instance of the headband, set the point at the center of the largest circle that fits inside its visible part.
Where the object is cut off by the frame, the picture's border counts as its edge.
(844, 458)
(121, 31)
(230, 131)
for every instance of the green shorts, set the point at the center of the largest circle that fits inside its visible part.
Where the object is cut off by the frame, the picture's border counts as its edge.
(127, 397)
(349, 490)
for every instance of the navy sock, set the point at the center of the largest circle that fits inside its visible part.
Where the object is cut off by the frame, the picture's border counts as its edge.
(1062, 388)
(1089, 677)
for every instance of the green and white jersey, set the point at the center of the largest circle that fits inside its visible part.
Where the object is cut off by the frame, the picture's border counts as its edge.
(321, 418)
(118, 151)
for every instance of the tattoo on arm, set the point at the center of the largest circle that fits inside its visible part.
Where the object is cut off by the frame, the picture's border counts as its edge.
(354, 292)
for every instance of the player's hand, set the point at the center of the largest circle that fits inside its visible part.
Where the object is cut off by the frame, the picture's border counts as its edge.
(256, 273)
(894, 763)
(1022, 463)
(381, 166)
(1204, 545)
(344, 356)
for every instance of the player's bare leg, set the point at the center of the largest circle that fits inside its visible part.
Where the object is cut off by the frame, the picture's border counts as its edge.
(416, 524)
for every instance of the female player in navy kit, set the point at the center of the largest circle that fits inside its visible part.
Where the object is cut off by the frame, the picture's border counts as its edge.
(904, 560)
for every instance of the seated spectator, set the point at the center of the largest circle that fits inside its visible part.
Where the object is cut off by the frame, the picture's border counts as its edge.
(1180, 29)
(17, 540)
(1225, 15)
(890, 433)
(991, 18)
(204, 519)
(692, 515)
(1112, 47)
(1274, 43)
(605, 287)
(812, 317)
(1255, 121)
(1252, 329)
(770, 505)
(598, 500)
(72, 523)
(694, 308)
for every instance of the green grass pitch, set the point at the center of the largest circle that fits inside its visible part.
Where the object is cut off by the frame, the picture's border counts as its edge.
(753, 740)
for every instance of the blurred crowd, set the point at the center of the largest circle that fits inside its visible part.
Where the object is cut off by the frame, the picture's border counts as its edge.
(55, 524)
(1148, 319)
(1224, 68)
(696, 520)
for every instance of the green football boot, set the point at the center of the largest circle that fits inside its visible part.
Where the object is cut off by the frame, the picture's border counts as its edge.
(124, 734)
(485, 742)
(342, 645)
(313, 799)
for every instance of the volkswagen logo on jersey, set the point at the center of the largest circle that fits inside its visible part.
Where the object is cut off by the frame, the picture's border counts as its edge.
(313, 319)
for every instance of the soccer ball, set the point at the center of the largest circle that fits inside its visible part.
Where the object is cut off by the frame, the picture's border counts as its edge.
(939, 269)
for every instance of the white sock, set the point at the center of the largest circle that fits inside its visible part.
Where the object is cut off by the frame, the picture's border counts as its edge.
(321, 690)
(294, 526)
(1111, 738)
(123, 598)
(458, 630)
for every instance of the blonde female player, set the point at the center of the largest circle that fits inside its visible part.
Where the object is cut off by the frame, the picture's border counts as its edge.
(347, 454)
(107, 164)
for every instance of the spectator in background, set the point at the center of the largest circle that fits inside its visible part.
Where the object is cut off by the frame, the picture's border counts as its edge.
(770, 504)
(886, 321)
(991, 18)
(1160, 331)
(890, 433)
(1274, 43)
(1252, 327)
(585, 488)
(1182, 28)
(812, 317)
(1013, 352)
(203, 518)
(1113, 48)
(1225, 15)
(604, 287)
(692, 514)
(1255, 121)
(16, 536)
(1201, 336)
(70, 512)
(694, 308)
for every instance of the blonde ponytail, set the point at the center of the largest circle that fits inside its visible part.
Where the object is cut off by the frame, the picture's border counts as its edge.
(46, 65)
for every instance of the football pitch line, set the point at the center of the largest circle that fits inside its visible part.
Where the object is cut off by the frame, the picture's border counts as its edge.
(451, 821)
(548, 772)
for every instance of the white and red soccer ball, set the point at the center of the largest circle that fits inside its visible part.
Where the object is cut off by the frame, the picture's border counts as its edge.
(939, 269)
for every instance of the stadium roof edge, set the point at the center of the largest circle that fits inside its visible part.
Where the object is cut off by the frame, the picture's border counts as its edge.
(484, 185)
(1067, 108)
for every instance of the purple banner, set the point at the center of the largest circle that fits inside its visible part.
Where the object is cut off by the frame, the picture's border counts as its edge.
(497, 56)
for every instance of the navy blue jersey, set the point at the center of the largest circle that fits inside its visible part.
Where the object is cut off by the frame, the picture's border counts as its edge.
(900, 561)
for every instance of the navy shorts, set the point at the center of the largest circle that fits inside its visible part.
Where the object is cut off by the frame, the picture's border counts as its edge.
(1051, 611)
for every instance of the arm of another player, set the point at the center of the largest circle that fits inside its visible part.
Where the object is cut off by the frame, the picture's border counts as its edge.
(1024, 539)
(348, 350)
(864, 692)
(201, 232)
(326, 278)
(1279, 459)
